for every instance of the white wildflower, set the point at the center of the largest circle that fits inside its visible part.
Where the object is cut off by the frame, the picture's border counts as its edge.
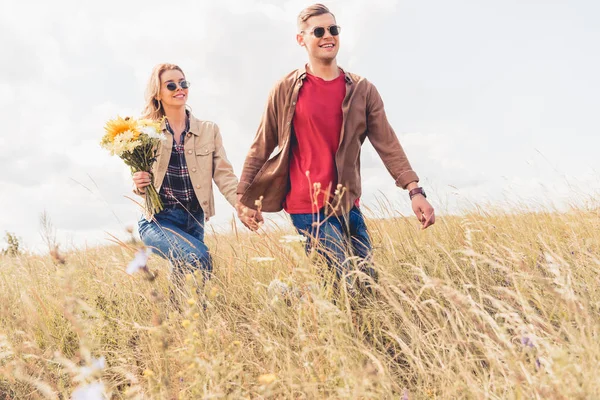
(93, 391)
(278, 288)
(292, 239)
(122, 143)
(152, 133)
(95, 366)
(139, 261)
(262, 259)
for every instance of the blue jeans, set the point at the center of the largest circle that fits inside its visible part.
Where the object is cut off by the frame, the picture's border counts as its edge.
(178, 235)
(337, 239)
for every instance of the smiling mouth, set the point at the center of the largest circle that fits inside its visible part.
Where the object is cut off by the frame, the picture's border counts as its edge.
(327, 46)
(179, 96)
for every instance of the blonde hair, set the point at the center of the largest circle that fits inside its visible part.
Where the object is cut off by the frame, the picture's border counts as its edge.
(312, 11)
(154, 109)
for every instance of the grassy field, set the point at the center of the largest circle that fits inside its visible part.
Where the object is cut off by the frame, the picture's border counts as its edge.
(486, 305)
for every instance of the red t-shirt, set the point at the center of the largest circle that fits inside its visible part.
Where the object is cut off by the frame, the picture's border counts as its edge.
(317, 125)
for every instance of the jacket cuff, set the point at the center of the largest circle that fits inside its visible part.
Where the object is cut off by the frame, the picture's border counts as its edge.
(242, 187)
(406, 177)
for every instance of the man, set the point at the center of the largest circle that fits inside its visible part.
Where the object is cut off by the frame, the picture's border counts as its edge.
(305, 157)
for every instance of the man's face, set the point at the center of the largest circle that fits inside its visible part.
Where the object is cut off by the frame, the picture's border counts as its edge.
(324, 48)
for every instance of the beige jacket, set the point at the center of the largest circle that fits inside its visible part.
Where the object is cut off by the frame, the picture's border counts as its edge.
(206, 161)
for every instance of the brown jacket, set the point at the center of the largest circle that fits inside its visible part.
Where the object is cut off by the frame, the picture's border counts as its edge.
(266, 169)
(206, 160)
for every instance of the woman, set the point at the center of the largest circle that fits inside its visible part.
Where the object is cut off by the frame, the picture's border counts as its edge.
(186, 164)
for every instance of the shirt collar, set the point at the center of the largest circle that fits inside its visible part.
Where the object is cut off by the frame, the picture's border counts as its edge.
(191, 124)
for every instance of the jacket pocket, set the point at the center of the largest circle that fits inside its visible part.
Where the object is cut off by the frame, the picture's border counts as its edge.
(205, 150)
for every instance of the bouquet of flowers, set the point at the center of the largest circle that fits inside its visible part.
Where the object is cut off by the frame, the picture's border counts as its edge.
(136, 141)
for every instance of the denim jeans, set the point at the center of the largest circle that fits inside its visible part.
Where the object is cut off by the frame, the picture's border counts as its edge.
(338, 239)
(178, 235)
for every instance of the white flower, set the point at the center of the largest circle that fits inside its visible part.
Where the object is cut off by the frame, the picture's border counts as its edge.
(292, 239)
(152, 133)
(262, 259)
(93, 391)
(122, 143)
(96, 366)
(278, 288)
(139, 261)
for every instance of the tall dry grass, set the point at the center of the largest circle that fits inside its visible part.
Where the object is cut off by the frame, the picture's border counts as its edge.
(487, 305)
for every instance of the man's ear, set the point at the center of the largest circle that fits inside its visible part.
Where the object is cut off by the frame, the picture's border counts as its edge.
(300, 39)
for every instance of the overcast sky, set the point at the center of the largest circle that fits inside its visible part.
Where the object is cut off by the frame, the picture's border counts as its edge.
(493, 101)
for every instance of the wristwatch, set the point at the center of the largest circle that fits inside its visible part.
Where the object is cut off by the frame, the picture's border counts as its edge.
(417, 191)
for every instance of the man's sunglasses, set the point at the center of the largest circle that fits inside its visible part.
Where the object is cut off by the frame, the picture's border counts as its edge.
(172, 86)
(319, 31)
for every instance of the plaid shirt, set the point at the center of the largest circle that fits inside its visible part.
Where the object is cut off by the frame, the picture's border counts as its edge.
(177, 187)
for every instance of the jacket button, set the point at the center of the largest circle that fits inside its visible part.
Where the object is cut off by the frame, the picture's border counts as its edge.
(189, 134)
(193, 169)
(197, 186)
(189, 152)
(205, 203)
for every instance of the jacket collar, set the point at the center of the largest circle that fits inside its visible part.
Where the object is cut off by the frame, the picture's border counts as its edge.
(194, 124)
(302, 72)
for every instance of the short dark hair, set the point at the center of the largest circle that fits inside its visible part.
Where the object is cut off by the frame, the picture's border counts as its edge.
(312, 11)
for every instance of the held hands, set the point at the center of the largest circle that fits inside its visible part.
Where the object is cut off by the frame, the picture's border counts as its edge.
(423, 210)
(252, 219)
(141, 180)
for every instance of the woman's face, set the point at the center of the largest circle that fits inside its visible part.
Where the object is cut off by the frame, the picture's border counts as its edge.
(173, 98)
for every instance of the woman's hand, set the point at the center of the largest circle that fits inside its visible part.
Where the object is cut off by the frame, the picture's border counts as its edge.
(141, 180)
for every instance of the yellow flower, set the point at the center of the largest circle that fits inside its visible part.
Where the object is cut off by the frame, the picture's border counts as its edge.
(117, 126)
(197, 315)
(148, 373)
(267, 379)
(185, 323)
(150, 123)
(236, 343)
(191, 301)
(213, 292)
(210, 331)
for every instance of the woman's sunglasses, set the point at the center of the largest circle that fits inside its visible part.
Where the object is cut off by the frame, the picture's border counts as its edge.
(172, 86)
(319, 31)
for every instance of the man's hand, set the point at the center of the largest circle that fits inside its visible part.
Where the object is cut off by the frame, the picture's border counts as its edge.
(252, 219)
(423, 210)
(141, 180)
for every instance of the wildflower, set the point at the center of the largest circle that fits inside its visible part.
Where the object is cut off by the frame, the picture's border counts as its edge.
(405, 395)
(135, 142)
(191, 301)
(185, 323)
(236, 343)
(262, 259)
(93, 391)
(95, 366)
(527, 341)
(210, 332)
(148, 373)
(292, 239)
(267, 379)
(118, 126)
(196, 315)
(213, 292)
(277, 287)
(139, 261)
